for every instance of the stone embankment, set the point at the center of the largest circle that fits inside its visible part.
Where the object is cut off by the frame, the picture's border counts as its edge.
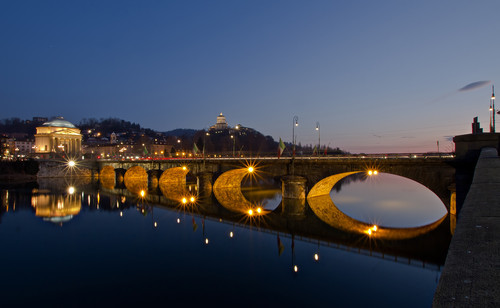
(471, 274)
(57, 169)
(18, 171)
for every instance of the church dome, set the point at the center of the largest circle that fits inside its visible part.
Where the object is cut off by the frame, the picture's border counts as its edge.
(59, 122)
(221, 119)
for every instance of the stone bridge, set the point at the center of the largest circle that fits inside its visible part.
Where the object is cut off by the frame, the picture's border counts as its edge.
(437, 174)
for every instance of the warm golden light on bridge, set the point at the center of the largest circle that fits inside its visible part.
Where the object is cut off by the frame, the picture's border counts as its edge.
(372, 230)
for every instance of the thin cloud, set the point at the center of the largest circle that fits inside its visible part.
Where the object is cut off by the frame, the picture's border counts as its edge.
(475, 85)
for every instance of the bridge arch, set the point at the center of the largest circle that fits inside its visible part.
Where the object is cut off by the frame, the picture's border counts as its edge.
(136, 179)
(227, 190)
(107, 177)
(172, 183)
(322, 205)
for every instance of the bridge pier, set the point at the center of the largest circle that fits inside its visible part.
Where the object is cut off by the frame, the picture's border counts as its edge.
(293, 191)
(205, 183)
(120, 177)
(153, 178)
(453, 199)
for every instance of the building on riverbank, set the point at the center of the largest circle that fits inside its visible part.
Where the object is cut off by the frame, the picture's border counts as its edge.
(58, 137)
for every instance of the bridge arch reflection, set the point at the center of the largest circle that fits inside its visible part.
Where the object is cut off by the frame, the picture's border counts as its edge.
(227, 191)
(136, 179)
(324, 208)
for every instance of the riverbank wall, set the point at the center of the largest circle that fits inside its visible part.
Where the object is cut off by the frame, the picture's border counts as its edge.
(57, 169)
(471, 274)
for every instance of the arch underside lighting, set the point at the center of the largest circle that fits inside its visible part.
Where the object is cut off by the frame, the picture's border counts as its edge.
(136, 179)
(172, 183)
(227, 190)
(322, 205)
(107, 177)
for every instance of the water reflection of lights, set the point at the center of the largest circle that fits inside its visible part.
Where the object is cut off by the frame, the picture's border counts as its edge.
(188, 201)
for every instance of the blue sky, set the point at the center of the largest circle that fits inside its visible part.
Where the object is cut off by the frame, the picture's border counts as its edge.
(379, 76)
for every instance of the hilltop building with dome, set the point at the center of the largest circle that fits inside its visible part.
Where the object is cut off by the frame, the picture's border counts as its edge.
(221, 123)
(58, 136)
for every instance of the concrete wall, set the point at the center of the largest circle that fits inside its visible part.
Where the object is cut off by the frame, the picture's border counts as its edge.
(468, 147)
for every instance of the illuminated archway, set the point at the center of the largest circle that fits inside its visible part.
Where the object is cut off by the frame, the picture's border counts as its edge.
(107, 176)
(172, 183)
(321, 204)
(227, 190)
(136, 179)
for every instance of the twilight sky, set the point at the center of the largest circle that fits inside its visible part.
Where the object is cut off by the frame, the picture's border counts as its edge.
(379, 76)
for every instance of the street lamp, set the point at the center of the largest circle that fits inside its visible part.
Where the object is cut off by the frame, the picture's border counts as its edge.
(180, 145)
(294, 123)
(234, 143)
(319, 138)
(492, 110)
(204, 142)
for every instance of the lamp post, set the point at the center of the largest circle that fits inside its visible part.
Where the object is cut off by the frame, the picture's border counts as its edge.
(234, 143)
(294, 123)
(492, 110)
(319, 137)
(204, 142)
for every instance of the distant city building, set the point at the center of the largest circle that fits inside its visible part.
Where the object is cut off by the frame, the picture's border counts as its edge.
(23, 147)
(7, 145)
(112, 138)
(40, 119)
(58, 137)
(221, 123)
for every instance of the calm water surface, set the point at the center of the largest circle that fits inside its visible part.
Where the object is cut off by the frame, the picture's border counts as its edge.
(98, 247)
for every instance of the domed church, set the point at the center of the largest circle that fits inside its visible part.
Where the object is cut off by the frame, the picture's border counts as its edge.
(58, 137)
(221, 123)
